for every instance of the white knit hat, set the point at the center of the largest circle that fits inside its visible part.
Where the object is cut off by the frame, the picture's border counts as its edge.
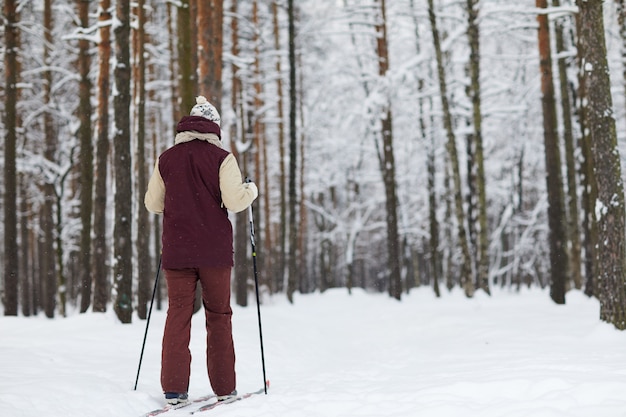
(205, 109)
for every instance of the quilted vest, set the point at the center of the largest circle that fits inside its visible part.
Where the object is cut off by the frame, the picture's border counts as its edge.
(196, 228)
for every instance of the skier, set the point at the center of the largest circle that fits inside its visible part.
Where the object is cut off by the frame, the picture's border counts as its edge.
(192, 185)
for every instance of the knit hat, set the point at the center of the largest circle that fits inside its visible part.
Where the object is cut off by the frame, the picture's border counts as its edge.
(205, 109)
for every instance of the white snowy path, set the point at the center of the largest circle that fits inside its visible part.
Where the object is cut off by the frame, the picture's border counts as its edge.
(509, 355)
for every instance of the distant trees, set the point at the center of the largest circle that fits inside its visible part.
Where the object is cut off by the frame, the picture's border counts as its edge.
(380, 165)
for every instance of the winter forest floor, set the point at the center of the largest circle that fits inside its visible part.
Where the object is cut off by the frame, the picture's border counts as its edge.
(331, 354)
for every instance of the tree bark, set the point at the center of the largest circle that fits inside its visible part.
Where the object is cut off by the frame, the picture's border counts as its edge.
(303, 235)
(242, 263)
(388, 165)
(279, 270)
(100, 260)
(25, 273)
(621, 20)
(573, 221)
(59, 193)
(50, 266)
(11, 263)
(293, 156)
(122, 231)
(144, 261)
(587, 172)
(173, 62)
(210, 41)
(558, 237)
(466, 267)
(433, 222)
(186, 69)
(476, 138)
(609, 206)
(86, 159)
(263, 234)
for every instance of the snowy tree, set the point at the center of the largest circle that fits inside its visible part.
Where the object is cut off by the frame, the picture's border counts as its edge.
(556, 213)
(11, 76)
(609, 206)
(122, 233)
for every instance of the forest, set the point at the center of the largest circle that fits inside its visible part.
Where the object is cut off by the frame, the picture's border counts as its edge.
(396, 144)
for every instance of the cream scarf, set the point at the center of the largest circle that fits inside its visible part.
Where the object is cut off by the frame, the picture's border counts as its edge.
(187, 136)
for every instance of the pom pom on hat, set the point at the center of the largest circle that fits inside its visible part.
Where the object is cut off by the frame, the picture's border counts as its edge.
(205, 109)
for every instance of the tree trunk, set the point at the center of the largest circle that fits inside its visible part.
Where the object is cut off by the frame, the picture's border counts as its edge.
(122, 232)
(25, 274)
(433, 222)
(210, 42)
(242, 264)
(86, 159)
(466, 267)
(293, 198)
(279, 270)
(558, 236)
(144, 264)
(587, 172)
(50, 266)
(186, 70)
(621, 20)
(61, 279)
(435, 259)
(100, 259)
(11, 265)
(173, 62)
(156, 119)
(388, 165)
(474, 91)
(573, 221)
(260, 151)
(610, 200)
(448, 227)
(302, 236)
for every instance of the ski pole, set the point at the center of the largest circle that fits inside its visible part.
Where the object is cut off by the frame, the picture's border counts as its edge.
(156, 283)
(256, 286)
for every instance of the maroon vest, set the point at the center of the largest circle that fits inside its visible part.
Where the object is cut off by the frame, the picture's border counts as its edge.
(196, 228)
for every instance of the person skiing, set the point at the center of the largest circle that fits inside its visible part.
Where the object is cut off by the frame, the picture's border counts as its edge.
(193, 184)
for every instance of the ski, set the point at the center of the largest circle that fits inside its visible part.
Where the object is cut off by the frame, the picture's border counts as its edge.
(229, 401)
(170, 407)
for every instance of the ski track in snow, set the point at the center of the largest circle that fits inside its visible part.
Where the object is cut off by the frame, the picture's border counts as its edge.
(332, 354)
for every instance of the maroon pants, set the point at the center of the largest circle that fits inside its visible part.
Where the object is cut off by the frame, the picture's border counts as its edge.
(176, 357)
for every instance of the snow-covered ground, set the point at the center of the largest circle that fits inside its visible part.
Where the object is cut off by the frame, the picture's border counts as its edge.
(509, 355)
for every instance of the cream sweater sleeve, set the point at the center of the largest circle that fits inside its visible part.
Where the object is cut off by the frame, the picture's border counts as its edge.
(236, 195)
(154, 199)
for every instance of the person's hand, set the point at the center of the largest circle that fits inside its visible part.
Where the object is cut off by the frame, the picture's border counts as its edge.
(252, 186)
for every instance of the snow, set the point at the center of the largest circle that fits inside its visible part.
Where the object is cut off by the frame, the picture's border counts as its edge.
(334, 354)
